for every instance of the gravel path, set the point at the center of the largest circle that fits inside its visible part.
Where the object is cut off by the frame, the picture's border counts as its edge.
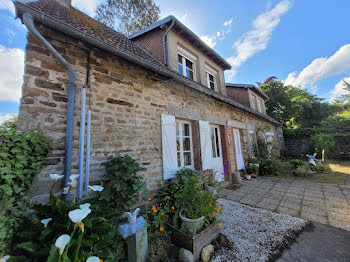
(257, 234)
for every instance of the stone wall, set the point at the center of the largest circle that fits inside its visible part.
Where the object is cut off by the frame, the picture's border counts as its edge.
(126, 103)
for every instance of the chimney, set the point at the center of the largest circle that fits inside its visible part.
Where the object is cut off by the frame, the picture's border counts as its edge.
(66, 3)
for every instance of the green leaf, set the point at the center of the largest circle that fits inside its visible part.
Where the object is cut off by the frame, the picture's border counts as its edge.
(30, 247)
(54, 254)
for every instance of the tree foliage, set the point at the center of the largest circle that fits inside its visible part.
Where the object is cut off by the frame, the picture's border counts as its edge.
(295, 107)
(344, 99)
(127, 16)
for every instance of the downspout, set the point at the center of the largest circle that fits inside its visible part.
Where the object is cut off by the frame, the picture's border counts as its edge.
(166, 50)
(29, 23)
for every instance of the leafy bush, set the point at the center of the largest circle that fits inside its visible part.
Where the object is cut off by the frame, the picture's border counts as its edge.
(323, 141)
(317, 169)
(22, 157)
(122, 185)
(262, 148)
(295, 163)
(36, 242)
(269, 167)
(252, 169)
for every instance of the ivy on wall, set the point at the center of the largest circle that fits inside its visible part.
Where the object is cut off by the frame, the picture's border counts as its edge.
(22, 156)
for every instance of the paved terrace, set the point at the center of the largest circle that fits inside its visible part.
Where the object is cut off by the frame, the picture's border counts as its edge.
(324, 203)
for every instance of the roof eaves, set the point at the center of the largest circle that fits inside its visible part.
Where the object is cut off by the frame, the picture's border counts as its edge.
(74, 32)
(151, 27)
(255, 89)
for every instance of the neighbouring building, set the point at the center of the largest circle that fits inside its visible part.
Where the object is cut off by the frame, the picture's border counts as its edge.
(158, 95)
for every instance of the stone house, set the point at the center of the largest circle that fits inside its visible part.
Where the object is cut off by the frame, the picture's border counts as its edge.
(158, 95)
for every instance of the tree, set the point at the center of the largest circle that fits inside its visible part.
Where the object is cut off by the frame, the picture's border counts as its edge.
(127, 16)
(344, 99)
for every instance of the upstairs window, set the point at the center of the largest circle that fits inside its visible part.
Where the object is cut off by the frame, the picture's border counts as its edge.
(260, 106)
(186, 67)
(211, 81)
(253, 102)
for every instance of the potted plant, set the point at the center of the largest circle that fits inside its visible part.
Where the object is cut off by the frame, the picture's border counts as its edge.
(253, 161)
(252, 171)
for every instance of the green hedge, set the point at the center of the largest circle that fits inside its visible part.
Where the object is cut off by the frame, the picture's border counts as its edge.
(22, 156)
(305, 132)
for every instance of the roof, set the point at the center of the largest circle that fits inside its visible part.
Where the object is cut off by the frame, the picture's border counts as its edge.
(187, 34)
(80, 26)
(253, 87)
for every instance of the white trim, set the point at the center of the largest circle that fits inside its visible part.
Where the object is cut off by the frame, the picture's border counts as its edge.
(181, 137)
(269, 134)
(187, 54)
(211, 70)
(184, 57)
(252, 103)
(208, 80)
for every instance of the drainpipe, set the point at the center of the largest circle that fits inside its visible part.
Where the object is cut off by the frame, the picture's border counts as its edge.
(166, 51)
(28, 21)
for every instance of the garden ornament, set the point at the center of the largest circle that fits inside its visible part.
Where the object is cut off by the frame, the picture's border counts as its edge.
(131, 216)
(312, 158)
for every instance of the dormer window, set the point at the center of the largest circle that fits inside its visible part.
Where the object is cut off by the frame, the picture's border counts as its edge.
(186, 67)
(211, 77)
(253, 102)
(260, 106)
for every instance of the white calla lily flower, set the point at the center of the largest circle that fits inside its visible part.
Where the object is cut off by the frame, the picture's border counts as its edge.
(93, 259)
(61, 242)
(73, 184)
(87, 205)
(96, 188)
(4, 259)
(66, 190)
(55, 177)
(74, 177)
(78, 215)
(46, 221)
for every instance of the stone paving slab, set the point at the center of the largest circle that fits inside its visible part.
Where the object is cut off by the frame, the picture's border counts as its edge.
(323, 203)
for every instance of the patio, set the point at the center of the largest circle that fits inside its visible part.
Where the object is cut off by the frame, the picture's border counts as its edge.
(324, 203)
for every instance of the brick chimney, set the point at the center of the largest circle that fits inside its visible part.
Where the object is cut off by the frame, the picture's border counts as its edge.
(66, 3)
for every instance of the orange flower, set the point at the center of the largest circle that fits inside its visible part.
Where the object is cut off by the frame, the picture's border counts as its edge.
(149, 199)
(201, 192)
(162, 213)
(219, 225)
(154, 209)
(217, 204)
(156, 232)
(169, 197)
(152, 194)
(160, 204)
(217, 210)
(209, 215)
(101, 260)
(161, 229)
(172, 208)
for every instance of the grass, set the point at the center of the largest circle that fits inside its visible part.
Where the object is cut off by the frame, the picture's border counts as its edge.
(334, 173)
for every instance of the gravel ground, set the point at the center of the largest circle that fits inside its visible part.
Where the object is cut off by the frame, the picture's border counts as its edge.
(257, 234)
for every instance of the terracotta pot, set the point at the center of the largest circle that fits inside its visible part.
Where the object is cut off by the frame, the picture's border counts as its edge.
(192, 225)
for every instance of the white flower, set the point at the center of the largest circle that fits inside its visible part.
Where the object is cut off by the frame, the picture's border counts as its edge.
(66, 190)
(4, 259)
(78, 215)
(73, 177)
(87, 205)
(72, 184)
(61, 242)
(55, 177)
(96, 188)
(93, 259)
(46, 221)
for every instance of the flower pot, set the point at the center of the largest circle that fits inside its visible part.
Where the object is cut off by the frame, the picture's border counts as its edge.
(191, 225)
(248, 177)
(211, 189)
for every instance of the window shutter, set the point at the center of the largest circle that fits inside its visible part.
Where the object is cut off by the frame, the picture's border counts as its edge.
(206, 150)
(169, 146)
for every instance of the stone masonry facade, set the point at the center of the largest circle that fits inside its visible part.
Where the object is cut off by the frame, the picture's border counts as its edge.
(126, 101)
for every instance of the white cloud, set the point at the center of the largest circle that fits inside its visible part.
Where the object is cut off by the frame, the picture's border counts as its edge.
(87, 6)
(11, 73)
(257, 39)
(183, 18)
(7, 5)
(339, 89)
(6, 117)
(211, 40)
(321, 68)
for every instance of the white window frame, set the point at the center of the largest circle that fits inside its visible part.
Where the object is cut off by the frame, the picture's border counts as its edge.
(186, 55)
(253, 101)
(210, 71)
(260, 105)
(180, 123)
(217, 136)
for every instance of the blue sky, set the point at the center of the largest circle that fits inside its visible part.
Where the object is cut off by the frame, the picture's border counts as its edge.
(304, 43)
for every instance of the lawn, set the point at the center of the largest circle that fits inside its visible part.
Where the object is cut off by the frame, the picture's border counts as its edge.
(334, 173)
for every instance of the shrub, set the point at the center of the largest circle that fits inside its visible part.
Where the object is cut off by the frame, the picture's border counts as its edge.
(262, 148)
(122, 185)
(323, 141)
(252, 169)
(22, 157)
(269, 167)
(295, 163)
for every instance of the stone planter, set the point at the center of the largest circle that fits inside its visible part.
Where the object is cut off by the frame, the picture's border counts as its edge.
(192, 225)
(197, 242)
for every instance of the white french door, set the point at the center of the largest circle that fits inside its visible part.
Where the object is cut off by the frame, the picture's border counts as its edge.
(217, 164)
(238, 147)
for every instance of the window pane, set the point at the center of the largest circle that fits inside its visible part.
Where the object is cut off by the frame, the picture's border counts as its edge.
(213, 142)
(181, 72)
(211, 78)
(178, 144)
(190, 75)
(186, 130)
(187, 159)
(177, 129)
(179, 59)
(187, 144)
(217, 142)
(212, 86)
(189, 64)
(178, 160)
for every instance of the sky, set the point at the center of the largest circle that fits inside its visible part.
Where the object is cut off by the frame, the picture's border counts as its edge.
(303, 43)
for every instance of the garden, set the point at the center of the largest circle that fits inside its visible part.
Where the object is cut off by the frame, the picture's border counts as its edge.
(181, 217)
